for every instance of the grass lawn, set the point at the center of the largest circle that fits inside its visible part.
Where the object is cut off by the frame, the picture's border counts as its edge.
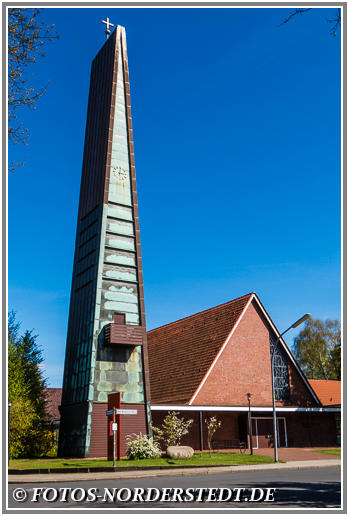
(199, 459)
(330, 452)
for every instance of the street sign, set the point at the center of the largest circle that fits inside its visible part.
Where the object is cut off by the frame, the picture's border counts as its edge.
(110, 412)
(126, 412)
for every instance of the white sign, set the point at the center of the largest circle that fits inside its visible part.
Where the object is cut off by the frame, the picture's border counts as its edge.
(114, 427)
(110, 412)
(126, 412)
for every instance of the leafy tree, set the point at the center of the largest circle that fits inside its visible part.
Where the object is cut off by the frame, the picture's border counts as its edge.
(318, 349)
(173, 429)
(27, 37)
(31, 358)
(30, 430)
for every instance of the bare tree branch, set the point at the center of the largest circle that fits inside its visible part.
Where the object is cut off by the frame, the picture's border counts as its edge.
(295, 13)
(26, 38)
(336, 23)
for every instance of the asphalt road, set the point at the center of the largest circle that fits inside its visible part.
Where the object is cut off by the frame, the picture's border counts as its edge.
(306, 488)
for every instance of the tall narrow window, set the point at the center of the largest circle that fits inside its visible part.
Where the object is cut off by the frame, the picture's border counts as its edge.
(280, 369)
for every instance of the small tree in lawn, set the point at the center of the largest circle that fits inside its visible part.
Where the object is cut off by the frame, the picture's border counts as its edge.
(172, 430)
(212, 426)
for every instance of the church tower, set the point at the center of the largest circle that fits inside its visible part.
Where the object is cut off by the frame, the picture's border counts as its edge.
(106, 348)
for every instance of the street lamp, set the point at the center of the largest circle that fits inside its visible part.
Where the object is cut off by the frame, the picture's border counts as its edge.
(8, 428)
(249, 395)
(294, 325)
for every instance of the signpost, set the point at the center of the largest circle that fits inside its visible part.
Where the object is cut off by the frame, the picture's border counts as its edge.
(114, 428)
(126, 412)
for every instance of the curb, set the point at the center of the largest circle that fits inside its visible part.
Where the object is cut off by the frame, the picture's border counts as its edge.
(104, 469)
(188, 471)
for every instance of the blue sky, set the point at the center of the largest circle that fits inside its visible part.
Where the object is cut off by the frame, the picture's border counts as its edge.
(237, 146)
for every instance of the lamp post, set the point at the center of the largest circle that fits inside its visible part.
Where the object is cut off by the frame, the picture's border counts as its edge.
(8, 428)
(249, 395)
(294, 325)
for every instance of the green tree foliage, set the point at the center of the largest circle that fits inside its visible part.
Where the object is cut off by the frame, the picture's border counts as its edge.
(318, 349)
(27, 37)
(30, 430)
(172, 430)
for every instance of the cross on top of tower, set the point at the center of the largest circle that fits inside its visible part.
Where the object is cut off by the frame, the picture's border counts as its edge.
(108, 24)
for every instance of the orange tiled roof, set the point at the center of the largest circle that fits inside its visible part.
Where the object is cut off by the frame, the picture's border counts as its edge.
(181, 352)
(328, 391)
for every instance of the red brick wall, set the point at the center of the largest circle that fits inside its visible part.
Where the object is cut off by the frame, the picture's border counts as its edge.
(303, 429)
(300, 395)
(244, 366)
(99, 428)
(311, 429)
(228, 431)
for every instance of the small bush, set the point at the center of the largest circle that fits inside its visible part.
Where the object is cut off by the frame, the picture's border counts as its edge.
(173, 429)
(212, 426)
(141, 447)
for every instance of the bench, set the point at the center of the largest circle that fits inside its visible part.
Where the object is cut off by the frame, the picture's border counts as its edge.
(229, 444)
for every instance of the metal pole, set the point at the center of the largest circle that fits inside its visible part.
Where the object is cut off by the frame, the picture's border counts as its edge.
(250, 425)
(119, 426)
(276, 439)
(201, 433)
(276, 455)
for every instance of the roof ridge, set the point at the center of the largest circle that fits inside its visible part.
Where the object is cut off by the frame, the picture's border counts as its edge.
(321, 380)
(202, 311)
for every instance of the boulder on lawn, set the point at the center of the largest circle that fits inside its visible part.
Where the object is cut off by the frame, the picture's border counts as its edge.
(180, 452)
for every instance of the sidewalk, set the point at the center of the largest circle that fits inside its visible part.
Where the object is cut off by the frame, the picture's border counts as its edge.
(188, 471)
(298, 454)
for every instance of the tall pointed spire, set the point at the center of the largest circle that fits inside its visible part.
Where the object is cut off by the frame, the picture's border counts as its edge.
(106, 342)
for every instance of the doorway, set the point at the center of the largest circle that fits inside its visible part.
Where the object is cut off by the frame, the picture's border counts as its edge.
(263, 432)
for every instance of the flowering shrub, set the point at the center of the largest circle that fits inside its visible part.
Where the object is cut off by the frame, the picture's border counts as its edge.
(172, 430)
(141, 447)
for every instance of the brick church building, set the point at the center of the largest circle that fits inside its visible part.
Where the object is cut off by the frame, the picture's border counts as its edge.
(205, 365)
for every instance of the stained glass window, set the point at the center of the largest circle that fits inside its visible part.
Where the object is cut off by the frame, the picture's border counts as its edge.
(280, 369)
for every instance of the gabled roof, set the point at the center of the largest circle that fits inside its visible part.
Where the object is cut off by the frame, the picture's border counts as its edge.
(183, 353)
(180, 353)
(328, 391)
